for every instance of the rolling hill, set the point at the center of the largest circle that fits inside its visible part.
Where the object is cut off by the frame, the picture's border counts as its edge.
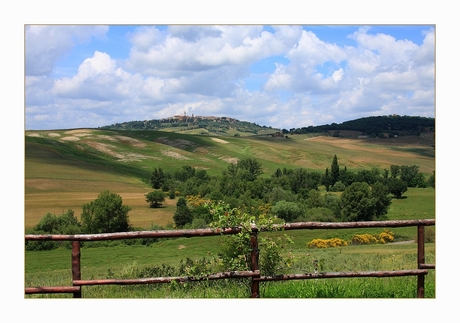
(67, 168)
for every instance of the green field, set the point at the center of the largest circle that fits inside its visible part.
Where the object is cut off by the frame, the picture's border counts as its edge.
(65, 169)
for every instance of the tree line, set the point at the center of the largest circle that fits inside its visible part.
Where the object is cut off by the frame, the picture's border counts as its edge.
(374, 126)
(291, 195)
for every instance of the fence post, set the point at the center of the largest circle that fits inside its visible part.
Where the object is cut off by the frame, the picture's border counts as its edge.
(254, 264)
(420, 260)
(76, 267)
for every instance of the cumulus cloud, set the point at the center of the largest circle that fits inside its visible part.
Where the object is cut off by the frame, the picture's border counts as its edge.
(44, 45)
(205, 69)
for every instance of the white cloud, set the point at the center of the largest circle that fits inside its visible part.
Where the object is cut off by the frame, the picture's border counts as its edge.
(46, 44)
(204, 69)
(337, 75)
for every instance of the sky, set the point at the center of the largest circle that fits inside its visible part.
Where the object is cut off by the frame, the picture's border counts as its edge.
(279, 75)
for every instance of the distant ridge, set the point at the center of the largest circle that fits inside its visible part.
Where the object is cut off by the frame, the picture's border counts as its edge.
(218, 125)
(376, 126)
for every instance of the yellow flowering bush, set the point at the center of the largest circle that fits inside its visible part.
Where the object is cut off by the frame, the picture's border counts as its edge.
(366, 238)
(327, 243)
(386, 236)
(196, 200)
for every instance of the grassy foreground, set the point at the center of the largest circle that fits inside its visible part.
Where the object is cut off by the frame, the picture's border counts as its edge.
(52, 268)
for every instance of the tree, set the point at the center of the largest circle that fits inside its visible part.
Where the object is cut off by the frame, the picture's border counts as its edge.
(397, 187)
(358, 203)
(288, 211)
(250, 168)
(157, 178)
(326, 180)
(105, 214)
(409, 175)
(394, 170)
(431, 180)
(155, 198)
(314, 199)
(183, 215)
(335, 170)
(382, 199)
(67, 223)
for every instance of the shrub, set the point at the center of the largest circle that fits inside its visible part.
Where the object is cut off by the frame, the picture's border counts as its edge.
(236, 253)
(327, 243)
(364, 238)
(338, 187)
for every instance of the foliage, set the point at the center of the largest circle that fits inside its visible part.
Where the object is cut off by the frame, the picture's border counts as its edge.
(157, 178)
(359, 203)
(373, 126)
(105, 214)
(366, 238)
(288, 211)
(431, 180)
(357, 239)
(183, 215)
(236, 253)
(335, 170)
(67, 223)
(339, 186)
(327, 243)
(396, 187)
(155, 198)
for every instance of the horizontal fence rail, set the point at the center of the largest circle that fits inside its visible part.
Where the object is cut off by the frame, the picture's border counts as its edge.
(253, 274)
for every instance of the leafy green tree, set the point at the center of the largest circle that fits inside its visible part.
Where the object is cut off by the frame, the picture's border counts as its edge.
(409, 175)
(279, 194)
(382, 198)
(357, 203)
(184, 173)
(105, 214)
(314, 199)
(396, 187)
(431, 180)
(157, 178)
(335, 170)
(66, 223)
(155, 198)
(302, 180)
(395, 170)
(288, 211)
(326, 180)
(250, 168)
(183, 215)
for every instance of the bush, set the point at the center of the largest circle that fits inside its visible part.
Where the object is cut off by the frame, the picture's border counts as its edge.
(327, 243)
(287, 211)
(366, 238)
(338, 187)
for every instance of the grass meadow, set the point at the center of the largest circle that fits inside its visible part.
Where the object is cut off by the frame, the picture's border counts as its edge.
(67, 168)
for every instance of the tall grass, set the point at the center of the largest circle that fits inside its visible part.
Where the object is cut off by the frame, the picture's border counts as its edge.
(138, 261)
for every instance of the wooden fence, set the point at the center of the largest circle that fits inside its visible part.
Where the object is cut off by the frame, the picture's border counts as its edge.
(254, 274)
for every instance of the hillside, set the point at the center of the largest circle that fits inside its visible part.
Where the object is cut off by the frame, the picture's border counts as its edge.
(67, 168)
(371, 127)
(204, 125)
(368, 127)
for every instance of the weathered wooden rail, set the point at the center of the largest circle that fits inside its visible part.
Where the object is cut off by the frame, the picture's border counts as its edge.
(253, 274)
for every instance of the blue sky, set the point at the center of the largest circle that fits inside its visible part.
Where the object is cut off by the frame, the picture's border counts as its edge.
(285, 76)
